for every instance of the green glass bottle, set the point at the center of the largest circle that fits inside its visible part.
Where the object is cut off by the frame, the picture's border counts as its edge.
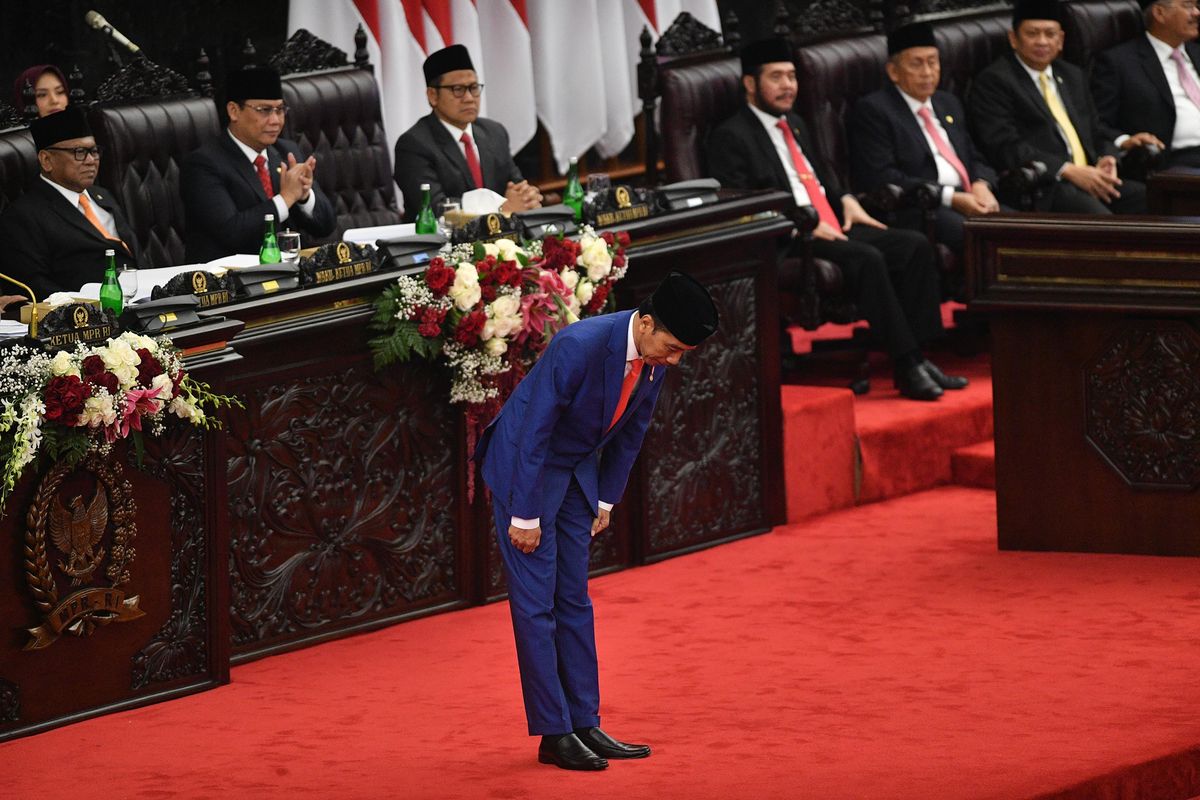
(110, 289)
(269, 252)
(426, 221)
(573, 194)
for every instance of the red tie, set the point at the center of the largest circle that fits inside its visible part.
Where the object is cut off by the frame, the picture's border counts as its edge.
(807, 179)
(635, 369)
(472, 160)
(943, 147)
(260, 166)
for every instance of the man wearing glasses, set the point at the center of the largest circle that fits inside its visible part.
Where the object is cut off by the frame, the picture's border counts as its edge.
(55, 235)
(453, 149)
(1147, 89)
(230, 183)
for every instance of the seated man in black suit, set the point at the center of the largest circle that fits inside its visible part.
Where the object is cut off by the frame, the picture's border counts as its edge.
(1030, 106)
(230, 183)
(911, 133)
(763, 146)
(453, 149)
(56, 233)
(1147, 89)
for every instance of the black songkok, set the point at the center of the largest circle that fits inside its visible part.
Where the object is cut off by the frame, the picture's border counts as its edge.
(257, 83)
(684, 307)
(70, 123)
(1036, 9)
(915, 34)
(448, 59)
(765, 51)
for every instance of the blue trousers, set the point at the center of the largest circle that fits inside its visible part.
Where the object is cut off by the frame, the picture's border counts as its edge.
(552, 618)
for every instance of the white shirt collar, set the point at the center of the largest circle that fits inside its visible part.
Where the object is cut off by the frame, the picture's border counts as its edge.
(246, 150)
(631, 351)
(771, 122)
(71, 196)
(915, 105)
(455, 131)
(1034, 74)
(1164, 50)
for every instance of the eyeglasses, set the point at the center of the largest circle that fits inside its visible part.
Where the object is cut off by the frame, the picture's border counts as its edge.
(266, 111)
(80, 153)
(460, 89)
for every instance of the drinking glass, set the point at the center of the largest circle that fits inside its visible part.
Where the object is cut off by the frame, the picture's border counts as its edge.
(289, 246)
(598, 183)
(445, 208)
(127, 277)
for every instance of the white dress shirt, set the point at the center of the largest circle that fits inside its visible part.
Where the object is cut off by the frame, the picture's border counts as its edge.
(281, 208)
(456, 134)
(73, 198)
(1036, 77)
(631, 352)
(947, 175)
(770, 123)
(1187, 115)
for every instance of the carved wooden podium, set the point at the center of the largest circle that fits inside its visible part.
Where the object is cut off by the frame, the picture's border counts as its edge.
(1096, 380)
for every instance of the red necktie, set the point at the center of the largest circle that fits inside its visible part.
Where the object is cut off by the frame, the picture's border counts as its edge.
(943, 147)
(260, 166)
(808, 179)
(472, 160)
(635, 369)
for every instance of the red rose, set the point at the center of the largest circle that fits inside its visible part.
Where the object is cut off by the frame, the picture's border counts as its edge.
(623, 238)
(439, 278)
(618, 260)
(467, 333)
(65, 396)
(488, 293)
(105, 380)
(608, 238)
(597, 302)
(148, 368)
(92, 366)
(431, 322)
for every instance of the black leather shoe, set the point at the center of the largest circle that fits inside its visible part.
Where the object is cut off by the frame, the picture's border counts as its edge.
(603, 744)
(568, 752)
(942, 379)
(915, 384)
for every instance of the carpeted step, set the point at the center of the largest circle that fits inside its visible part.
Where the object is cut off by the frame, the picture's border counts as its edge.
(818, 450)
(975, 465)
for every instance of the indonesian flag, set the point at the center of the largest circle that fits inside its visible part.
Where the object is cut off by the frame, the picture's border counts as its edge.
(508, 63)
(665, 12)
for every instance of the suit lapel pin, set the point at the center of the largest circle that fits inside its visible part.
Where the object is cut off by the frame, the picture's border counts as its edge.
(949, 120)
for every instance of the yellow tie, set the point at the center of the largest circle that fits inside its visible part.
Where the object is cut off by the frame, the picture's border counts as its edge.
(1064, 121)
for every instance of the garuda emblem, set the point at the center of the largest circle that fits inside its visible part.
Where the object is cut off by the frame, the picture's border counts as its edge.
(78, 529)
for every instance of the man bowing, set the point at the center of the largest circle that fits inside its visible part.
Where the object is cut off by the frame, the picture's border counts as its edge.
(557, 459)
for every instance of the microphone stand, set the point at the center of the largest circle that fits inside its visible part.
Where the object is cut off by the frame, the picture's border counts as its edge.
(33, 318)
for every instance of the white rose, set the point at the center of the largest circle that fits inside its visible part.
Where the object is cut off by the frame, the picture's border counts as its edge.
(495, 347)
(584, 291)
(181, 408)
(507, 249)
(137, 341)
(491, 249)
(63, 364)
(465, 291)
(596, 259)
(488, 330)
(506, 305)
(165, 386)
(98, 411)
(570, 278)
(573, 305)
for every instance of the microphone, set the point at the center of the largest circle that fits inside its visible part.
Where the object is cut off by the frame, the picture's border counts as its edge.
(33, 319)
(98, 22)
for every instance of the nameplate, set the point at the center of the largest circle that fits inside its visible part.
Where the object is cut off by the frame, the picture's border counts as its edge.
(618, 204)
(606, 218)
(486, 228)
(337, 262)
(69, 325)
(211, 290)
(352, 270)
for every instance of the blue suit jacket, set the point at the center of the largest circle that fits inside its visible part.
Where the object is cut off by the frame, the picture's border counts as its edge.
(554, 425)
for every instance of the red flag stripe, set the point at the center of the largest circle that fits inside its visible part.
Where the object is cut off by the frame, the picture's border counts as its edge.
(370, 14)
(439, 13)
(416, 24)
(648, 10)
(519, 6)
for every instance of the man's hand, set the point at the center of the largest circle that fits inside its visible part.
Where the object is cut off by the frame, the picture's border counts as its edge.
(601, 521)
(521, 197)
(1099, 183)
(525, 539)
(983, 194)
(296, 179)
(828, 233)
(1143, 138)
(967, 204)
(853, 213)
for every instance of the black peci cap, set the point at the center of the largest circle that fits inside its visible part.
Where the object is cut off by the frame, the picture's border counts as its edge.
(684, 307)
(446, 60)
(915, 34)
(258, 83)
(70, 123)
(765, 51)
(1036, 9)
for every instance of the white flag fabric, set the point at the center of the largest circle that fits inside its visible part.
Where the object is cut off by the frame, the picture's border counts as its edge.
(508, 64)
(464, 22)
(568, 71)
(705, 11)
(619, 79)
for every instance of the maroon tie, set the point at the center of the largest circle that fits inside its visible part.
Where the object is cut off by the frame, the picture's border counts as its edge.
(472, 160)
(260, 166)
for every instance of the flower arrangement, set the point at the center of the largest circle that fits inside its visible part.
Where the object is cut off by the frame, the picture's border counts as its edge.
(488, 309)
(64, 405)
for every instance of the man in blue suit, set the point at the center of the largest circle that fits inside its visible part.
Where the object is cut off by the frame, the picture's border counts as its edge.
(557, 459)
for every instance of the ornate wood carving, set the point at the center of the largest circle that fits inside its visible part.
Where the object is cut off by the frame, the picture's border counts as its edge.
(77, 94)
(304, 52)
(687, 35)
(10, 701)
(180, 648)
(702, 457)
(142, 79)
(342, 497)
(823, 18)
(944, 6)
(1143, 404)
(362, 56)
(204, 79)
(249, 54)
(10, 117)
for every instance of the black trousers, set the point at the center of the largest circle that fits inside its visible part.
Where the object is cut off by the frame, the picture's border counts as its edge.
(948, 227)
(1185, 157)
(893, 278)
(1067, 198)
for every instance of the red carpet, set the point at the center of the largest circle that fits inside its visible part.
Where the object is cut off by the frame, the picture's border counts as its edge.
(888, 651)
(975, 465)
